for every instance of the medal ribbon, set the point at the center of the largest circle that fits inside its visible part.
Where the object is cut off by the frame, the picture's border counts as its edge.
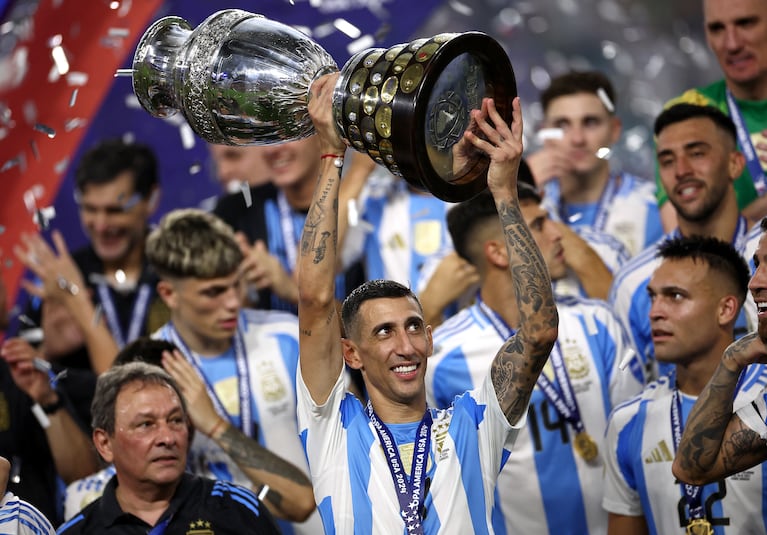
(138, 314)
(744, 140)
(243, 375)
(409, 489)
(603, 204)
(692, 493)
(563, 398)
(564, 401)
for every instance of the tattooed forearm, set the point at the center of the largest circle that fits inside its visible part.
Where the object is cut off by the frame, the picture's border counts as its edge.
(518, 364)
(249, 454)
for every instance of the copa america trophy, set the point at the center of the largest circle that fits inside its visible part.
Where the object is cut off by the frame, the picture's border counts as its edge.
(242, 79)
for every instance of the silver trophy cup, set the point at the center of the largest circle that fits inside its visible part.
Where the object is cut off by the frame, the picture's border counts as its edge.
(242, 79)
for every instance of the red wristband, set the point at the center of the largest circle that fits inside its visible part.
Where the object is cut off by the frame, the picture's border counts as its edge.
(338, 159)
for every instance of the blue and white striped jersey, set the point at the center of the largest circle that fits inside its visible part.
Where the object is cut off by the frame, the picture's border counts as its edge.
(631, 304)
(754, 414)
(640, 450)
(352, 482)
(631, 214)
(545, 486)
(84, 491)
(22, 518)
(403, 228)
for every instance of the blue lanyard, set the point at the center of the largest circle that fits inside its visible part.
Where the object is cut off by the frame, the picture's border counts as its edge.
(692, 493)
(138, 313)
(744, 140)
(563, 398)
(410, 491)
(243, 375)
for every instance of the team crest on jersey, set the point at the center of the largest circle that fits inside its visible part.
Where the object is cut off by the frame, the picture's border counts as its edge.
(199, 527)
(427, 237)
(271, 384)
(575, 361)
(625, 232)
(5, 414)
(439, 432)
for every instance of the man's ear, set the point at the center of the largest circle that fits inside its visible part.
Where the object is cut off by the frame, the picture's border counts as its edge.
(167, 292)
(351, 355)
(496, 254)
(103, 444)
(729, 308)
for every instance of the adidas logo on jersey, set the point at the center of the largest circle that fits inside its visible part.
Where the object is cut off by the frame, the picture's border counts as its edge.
(660, 454)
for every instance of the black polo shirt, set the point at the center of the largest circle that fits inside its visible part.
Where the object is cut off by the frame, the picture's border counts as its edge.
(200, 506)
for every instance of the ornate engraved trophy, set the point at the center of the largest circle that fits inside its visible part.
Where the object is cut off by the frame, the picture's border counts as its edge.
(242, 79)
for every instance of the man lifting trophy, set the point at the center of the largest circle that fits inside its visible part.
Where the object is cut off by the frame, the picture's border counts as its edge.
(242, 79)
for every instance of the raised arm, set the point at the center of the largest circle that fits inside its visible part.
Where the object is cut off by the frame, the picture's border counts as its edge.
(516, 366)
(62, 282)
(715, 442)
(289, 492)
(320, 330)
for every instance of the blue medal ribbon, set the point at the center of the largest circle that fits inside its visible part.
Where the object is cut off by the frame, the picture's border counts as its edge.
(410, 490)
(243, 375)
(138, 313)
(692, 493)
(744, 140)
(562, 397)
(563, 400)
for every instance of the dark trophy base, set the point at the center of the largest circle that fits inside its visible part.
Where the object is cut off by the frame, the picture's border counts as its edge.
(408, 106)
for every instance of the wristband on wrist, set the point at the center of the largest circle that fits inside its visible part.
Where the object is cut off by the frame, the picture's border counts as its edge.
(53, 407)
(338, 159)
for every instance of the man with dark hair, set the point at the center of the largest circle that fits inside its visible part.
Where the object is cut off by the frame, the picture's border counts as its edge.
(552, 482)
(243, 360)
(698, 160)
(722, 437)
(573, 169)
(696, 293)
(141, 425)
(117, 191)
(736, 32)
(397, 466)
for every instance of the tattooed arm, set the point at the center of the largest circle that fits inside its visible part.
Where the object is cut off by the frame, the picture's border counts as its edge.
(519, 362)
(319, 325)
(290, 494)
(716, 443)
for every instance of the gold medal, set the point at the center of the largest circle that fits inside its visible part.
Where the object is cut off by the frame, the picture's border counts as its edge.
(585, 446)
(699, 526)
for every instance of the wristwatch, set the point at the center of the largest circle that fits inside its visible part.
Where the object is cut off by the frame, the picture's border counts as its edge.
(53, 407)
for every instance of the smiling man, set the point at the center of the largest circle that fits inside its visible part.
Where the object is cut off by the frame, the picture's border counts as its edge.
(698, 161)
(736, 31)
(573, 167)
(140, 424)
(396, 465)
(116, 190)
